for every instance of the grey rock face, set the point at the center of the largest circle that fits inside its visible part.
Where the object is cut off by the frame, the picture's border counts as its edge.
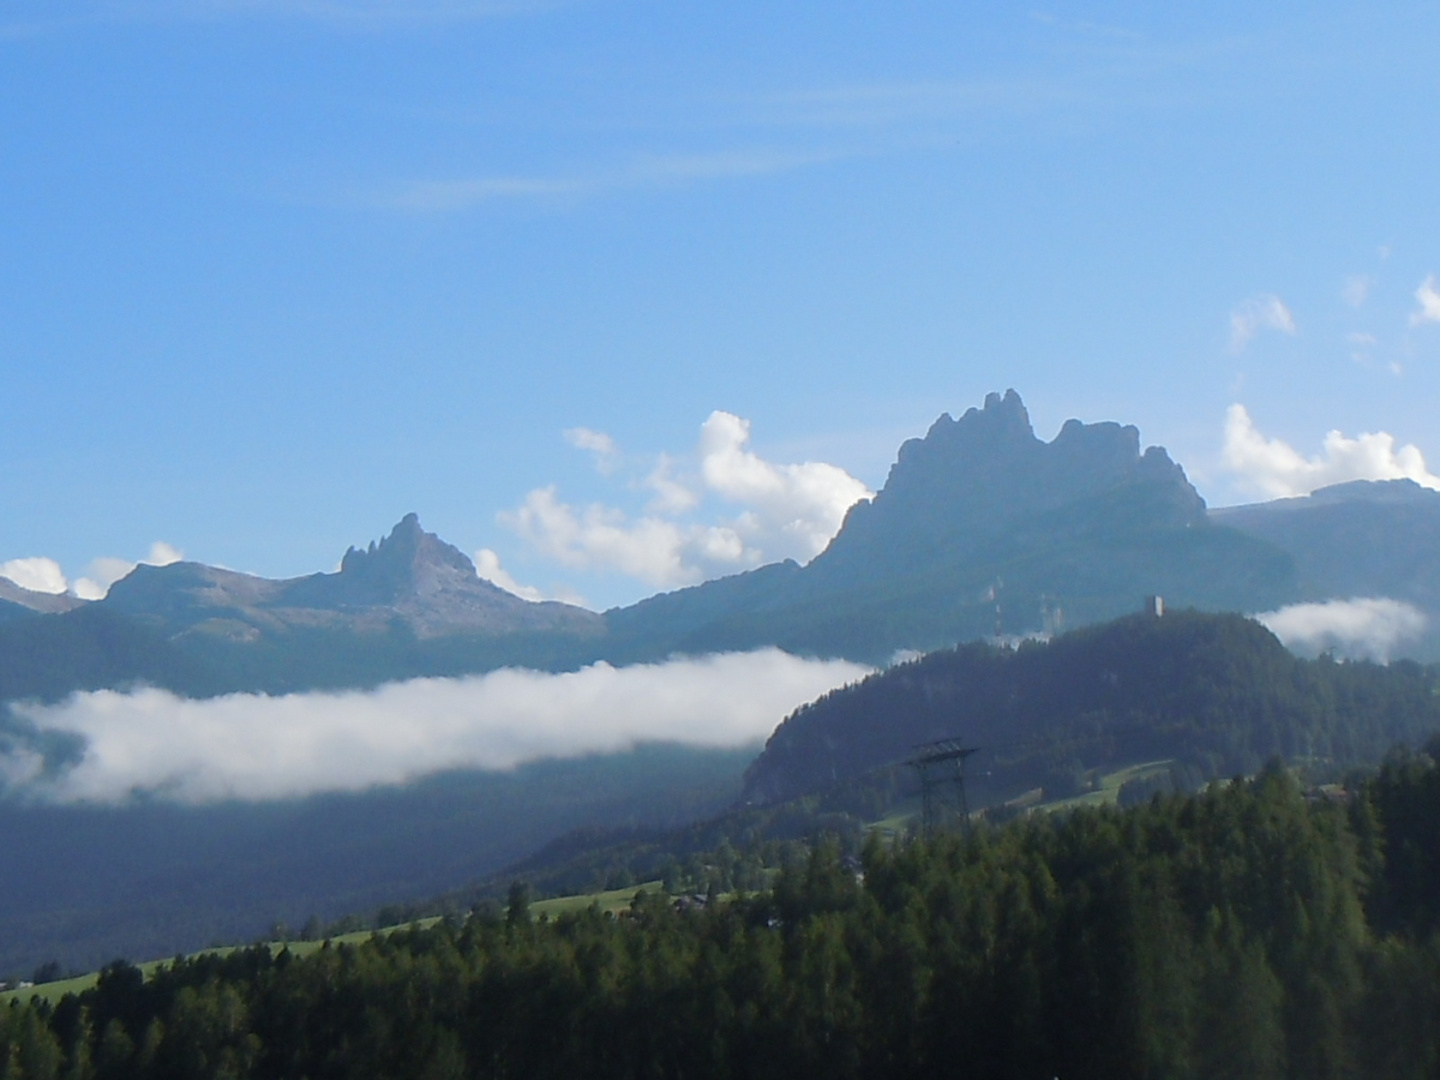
(983, 528)
(40, 602)
(973, 479)
(411, 576)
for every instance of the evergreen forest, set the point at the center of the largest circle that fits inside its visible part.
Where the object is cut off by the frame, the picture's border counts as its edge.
(1248, 930)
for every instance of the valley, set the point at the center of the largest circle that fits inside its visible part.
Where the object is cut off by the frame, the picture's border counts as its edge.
(988, 585)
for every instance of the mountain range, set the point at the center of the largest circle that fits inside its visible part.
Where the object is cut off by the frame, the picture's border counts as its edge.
(981, 528)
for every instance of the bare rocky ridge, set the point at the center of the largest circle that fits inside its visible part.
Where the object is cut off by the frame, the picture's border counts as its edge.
(43, 603)
(973, 479)
(411, 577)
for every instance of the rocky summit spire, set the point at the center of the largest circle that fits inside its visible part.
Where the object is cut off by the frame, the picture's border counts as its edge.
(411, 581)
(400, 563)
(974, 478)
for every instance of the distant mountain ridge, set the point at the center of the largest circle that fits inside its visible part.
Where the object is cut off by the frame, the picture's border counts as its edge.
(411, 577)
(983, 526)
(409, 606)
(1363, 538)
(971, 480)
(980, 528)
(17, 601)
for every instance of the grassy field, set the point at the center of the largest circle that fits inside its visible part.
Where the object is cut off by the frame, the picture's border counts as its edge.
(612, 901)
(1107, 791)
(904, 815)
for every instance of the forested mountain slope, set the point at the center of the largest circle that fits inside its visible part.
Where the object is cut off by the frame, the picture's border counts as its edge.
(1217, 693)
(1363, 538)
(1229, 934)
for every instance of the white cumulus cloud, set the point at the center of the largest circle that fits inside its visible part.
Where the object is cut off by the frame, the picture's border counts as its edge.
(487, 566)
(105, 571)
(37, 573)
(1362, 629)
(672, 496)
(758, 511)
(791, 508)
(1264, 312)
(1275, 469)
(652, 549)
(1429, 298)
(250, 746)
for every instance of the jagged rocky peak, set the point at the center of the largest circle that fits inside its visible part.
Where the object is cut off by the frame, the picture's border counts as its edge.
(1002, 421)
(400, 555)
(991, 460)
(977, 475)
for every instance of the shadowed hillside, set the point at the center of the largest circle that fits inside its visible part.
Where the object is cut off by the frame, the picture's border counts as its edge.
(1216, 693)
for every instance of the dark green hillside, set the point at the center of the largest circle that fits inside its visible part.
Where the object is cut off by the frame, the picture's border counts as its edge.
(1216, 936)
(11, 611)
(1217, 693)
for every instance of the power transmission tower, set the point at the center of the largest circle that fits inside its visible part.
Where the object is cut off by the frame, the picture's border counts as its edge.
(941, 768)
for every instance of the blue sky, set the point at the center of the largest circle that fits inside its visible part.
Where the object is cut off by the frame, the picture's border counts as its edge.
(274, 273)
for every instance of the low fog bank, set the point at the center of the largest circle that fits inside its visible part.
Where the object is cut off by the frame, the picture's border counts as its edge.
(251, 747)
(1369, 628)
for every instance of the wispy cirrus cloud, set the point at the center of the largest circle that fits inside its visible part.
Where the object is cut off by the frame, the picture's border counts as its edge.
(1263, 312)
(644, 171)
(905, 103)
(30, 19)
(376, 10)
(811, 126)
(1356, 289)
